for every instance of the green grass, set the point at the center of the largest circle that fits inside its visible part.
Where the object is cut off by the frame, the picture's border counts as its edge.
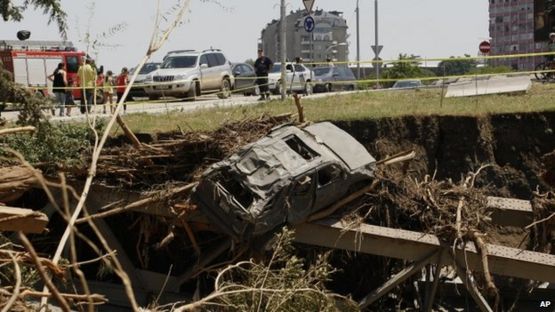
(365, 105)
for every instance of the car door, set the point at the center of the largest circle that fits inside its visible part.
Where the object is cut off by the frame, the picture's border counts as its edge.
(204, 73)
(330, 186)
(289, 75)
(302, 197)
(300, 77)
(240, 78)
(249, 73)
(213, 71)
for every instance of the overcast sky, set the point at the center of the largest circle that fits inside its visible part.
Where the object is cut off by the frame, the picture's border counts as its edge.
(429, 28)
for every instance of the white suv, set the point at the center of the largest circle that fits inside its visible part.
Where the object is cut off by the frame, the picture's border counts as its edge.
(189, 73)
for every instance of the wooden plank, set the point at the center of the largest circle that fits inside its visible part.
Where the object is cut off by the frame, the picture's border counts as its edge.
(409, 245)
(394, 281)
(19, 219)
(101, 196)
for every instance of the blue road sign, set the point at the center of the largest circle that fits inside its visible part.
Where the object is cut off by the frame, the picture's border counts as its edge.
(309, 24)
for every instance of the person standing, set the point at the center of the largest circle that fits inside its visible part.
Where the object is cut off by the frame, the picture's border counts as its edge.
(109, 91)
(121, 85)
(87, 82)
(69, 96)
(262, 66)
(59, 84)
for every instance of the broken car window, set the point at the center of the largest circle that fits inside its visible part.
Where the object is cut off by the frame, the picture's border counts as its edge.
(241, 194)
(328, 174)
(300, 147)
(303, 185)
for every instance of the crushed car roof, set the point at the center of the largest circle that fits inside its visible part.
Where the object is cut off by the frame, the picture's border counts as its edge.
(290, 151)
(342, 144)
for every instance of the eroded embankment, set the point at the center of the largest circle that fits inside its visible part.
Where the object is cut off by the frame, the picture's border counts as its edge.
(453, 146)
(450, 146)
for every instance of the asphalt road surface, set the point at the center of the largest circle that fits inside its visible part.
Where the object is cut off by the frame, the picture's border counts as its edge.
(142, 105)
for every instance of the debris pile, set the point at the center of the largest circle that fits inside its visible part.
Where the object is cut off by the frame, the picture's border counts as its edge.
(163, 172)
(444, 208)
(177, 156)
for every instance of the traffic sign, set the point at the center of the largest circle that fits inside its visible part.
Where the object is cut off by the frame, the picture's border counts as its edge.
(485, 47)
(379, 49)
(308, 4)
(309, 24)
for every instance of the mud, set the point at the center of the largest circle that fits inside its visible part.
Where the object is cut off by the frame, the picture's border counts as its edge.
(452, 146)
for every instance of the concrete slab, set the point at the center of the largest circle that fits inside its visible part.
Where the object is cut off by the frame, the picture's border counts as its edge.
(489, 85)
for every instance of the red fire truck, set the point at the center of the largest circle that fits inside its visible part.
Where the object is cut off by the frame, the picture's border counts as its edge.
(31, 62)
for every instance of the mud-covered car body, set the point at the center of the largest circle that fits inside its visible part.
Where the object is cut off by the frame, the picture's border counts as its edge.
(282, 178)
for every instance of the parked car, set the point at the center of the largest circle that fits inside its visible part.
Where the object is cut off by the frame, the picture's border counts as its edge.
(407, 84)
(282, 178)
(298, 77)
(245, 78)
(188, 74)
(327, 79)
(139, 90)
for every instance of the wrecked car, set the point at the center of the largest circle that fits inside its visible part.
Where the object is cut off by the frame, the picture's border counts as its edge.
(282, 178)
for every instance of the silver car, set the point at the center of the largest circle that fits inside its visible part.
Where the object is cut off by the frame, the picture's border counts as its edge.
(334, 78)
(283, 178)
(138, 89)
(188, 74)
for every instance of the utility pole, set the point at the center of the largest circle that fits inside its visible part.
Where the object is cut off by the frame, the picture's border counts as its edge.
(377, 45)
(283, 53)
(358, 41)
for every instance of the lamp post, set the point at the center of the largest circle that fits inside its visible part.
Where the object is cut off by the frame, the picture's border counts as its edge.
(283, 49)
(333, 45)
(377, 46)
(358, 41)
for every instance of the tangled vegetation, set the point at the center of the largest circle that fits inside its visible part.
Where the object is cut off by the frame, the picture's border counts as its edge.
(283, 282)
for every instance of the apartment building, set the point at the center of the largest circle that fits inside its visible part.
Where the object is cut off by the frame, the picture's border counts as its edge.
(328, 40)
(519, 27)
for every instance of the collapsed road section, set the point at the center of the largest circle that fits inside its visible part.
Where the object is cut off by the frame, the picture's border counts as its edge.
(401, 231)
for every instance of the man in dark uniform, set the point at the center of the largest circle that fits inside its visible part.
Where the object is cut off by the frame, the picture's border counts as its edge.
(262, 66)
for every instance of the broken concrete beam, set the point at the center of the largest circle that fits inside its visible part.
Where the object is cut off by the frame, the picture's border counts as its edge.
(510, 211)
(412, 246)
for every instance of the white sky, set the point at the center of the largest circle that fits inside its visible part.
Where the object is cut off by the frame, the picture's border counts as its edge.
(429, 28)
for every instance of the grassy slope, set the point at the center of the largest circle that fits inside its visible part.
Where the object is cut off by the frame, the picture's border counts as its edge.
(356, 106)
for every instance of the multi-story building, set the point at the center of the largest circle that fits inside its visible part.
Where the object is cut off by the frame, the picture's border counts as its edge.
(328, 40)
(519, 27)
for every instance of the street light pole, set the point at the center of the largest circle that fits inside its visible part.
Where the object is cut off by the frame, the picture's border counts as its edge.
(358, 41)
(283, 52)
(377, 45)
(335, 44)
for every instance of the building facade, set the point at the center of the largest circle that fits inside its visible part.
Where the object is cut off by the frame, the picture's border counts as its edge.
(518, 27)
(328, 40)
